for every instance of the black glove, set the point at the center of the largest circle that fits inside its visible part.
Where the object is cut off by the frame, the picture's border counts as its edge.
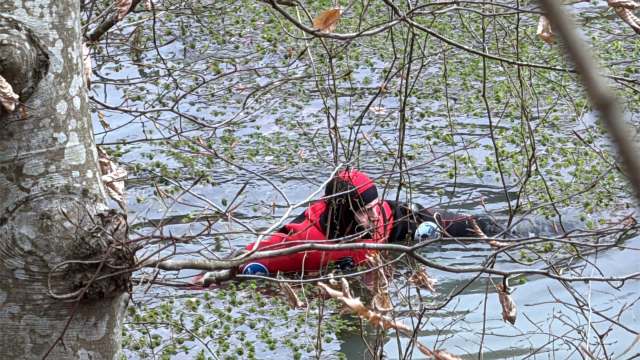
(345, 263)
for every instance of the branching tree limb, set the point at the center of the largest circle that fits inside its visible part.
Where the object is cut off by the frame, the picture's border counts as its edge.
(597, 88)
(109, 23)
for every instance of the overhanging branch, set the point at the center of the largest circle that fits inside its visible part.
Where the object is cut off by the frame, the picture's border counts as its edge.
(597, 88)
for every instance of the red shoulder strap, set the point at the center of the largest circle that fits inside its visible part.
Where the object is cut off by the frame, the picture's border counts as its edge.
(385, 222)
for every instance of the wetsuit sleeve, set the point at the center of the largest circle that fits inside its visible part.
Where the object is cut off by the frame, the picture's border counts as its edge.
(456, 224)
(460, 225)
(303, 229)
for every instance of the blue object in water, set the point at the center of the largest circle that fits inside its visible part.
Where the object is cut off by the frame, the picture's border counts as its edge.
(426, 230)
(255, 269)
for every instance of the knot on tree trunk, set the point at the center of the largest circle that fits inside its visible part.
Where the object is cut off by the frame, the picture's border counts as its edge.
(103, 257)
(69, 239)
(23, 61)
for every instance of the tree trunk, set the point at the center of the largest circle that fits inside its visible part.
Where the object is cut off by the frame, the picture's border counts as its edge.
(52, 202)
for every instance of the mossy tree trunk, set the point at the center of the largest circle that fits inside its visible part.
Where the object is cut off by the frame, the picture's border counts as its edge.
(52, 203)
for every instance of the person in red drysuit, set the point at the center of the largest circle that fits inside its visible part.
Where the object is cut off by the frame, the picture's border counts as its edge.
(350, 211)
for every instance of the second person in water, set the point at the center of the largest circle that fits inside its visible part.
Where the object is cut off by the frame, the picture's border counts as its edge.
(350, 211)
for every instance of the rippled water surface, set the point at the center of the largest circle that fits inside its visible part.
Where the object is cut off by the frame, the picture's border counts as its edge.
(284, 139)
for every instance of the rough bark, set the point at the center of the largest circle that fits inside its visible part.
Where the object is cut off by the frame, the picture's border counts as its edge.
(52, 203)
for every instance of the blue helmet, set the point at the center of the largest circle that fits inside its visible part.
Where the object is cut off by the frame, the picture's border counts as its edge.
(426, 230)
(255, 269)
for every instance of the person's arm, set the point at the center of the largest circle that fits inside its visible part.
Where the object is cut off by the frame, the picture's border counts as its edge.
(461, 225)
(263, 266)
(407, 220)
(299, 229)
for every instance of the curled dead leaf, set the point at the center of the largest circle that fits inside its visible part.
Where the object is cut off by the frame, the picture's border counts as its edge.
(113, 178)
(425, 350)
(477, 230)
(627, 16)
(386, 324)
(8, 99)
(346, 290)
(444, 355)
(544, 30)
(356, 307)
(380, 288)
(123, 9)
(103, 122)
(421, 279)
(438, 354)
(327, 21)
(381, 303)
(509, 311)
(625, 4)
(86, 61)
(329, 291)
(498, 244)
(392, 324)
(294, 301)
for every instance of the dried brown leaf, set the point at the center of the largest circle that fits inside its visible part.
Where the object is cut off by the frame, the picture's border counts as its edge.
(386, 324)
(392, 324)
(346, 291)
(103, 122)
(8, 99)
(332, 281)
(329, 291)
(381, 303)
(587, 352)
(509, 311)
(629, 348)
(625, 4)
(380, 288)
(123, 9)
(544, 30)
(113, 178)
(438, 354)
(365, 134)
(425, 350)
(294, 301)
(627, 16)
(421, 279)
(147, 5)
(477, 230)
(327, 21)
(355, 306)
(86, 60)
(444, 355)
(498, 244)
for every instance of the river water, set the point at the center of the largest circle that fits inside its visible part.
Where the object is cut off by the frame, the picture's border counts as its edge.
(283, 138)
